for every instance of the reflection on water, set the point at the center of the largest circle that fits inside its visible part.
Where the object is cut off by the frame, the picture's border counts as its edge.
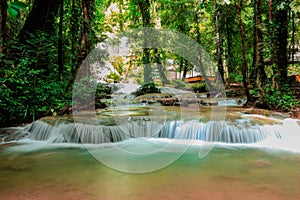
(68, 171)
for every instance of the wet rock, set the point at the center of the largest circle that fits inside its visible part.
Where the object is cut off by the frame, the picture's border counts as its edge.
(295, 114)
(165, 99)
(67, 109)
(11, 134)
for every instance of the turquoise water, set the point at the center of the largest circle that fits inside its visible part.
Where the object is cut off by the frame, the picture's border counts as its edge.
(37, 170)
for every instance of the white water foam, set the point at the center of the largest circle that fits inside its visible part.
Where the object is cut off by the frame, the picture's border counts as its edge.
(284, 136)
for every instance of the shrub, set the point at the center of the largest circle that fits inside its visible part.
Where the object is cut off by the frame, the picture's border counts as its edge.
(113, 77)
(199, 87)
(146, 89)
(282, 99)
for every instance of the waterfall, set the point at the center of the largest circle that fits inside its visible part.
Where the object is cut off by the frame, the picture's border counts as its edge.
(217, 131)
(75, 133)
(39, 130)
(214, 131)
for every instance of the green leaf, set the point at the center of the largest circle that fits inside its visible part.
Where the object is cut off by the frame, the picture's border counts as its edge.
(18, 5)
(12, 12)
(295, 6)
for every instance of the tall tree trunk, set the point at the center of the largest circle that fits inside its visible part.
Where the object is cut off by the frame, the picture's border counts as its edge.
(147, 66)
(3, 19)
(218, 42)
(229, 28)
(75, 36)
(181, 63)
(258, 53)
(244, 69)
(86, 25)
(41, 18)
(128, 68)
(85, 48)
(220, 61)
(281, 38)
(144, 6)
(253, 72)
(161, 72)
(293, 51)
(60, 40)
(272, 35)
(185, 70)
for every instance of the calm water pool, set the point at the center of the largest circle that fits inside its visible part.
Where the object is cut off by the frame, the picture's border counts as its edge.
(38, 171)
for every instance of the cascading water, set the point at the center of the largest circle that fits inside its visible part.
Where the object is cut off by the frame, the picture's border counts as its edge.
(75, 133)
(242, 133)
(65, 170)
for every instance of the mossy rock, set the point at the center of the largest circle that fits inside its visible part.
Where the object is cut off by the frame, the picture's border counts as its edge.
(147, 89)
(166, 99)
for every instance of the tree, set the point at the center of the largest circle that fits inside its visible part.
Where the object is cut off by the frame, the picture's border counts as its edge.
(75, 36)
(60, 39)
(36, 34)
(87, 6)
(244, 69)
(41, 18)
(3, 19)
(179, 16)
(278, 20)
(144, 8)
(258, 71)
(219, 50)
(229, 28)
(157, 60)
(281, 35)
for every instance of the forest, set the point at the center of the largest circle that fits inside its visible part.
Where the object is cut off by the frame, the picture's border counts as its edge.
(254, 43)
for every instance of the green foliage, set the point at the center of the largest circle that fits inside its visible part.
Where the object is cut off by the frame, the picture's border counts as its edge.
(15, 7)
(31, 86)
(25, 96)
(295, 6)
(180, 84)
(113, 77)
(29, 83)
(101, 93)
(282, 99)
(86, 91)
(147, 89)
(118, 63)
(236, 78)
(195, 87)
(199, 87)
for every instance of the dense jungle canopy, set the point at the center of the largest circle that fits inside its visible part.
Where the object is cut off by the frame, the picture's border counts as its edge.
(43, 43)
